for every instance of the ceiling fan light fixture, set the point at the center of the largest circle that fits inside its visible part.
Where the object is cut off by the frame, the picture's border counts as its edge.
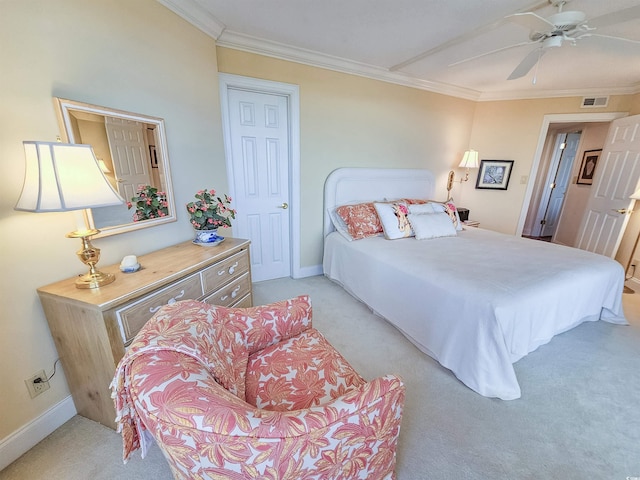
(550, 42)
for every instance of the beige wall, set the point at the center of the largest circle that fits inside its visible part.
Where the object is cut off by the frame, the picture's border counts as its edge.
(350, 121)
(135, 56)
(510, 130)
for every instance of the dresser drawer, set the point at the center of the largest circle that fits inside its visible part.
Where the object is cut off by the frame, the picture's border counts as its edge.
(132, 317)
(232, 293)
(222, 272)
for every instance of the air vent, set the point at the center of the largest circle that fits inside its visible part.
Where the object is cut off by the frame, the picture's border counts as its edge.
(594, 102)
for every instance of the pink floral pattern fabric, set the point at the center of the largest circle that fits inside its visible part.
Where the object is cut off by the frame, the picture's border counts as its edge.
(173, 384)
(361, 219)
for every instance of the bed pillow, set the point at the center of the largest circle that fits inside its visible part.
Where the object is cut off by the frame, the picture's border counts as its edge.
(339, 224)
(393, 217)
(452, 211)
(361, 220)
(419, 209)
(432, 225)
(438, 207)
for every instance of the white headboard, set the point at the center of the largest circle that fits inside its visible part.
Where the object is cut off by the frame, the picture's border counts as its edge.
(354, 185)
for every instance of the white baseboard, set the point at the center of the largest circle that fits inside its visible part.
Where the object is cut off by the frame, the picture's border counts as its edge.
(26, 437)
(312, 271)
(634, 283)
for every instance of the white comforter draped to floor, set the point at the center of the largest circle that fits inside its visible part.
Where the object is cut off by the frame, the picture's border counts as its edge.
(479, 301)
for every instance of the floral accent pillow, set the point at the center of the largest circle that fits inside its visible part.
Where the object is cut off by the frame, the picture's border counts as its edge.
(452, 211)
(361, 219)
(395, 223)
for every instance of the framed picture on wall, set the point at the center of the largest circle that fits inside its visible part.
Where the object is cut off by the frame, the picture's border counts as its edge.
(494, 174)
(588, 167)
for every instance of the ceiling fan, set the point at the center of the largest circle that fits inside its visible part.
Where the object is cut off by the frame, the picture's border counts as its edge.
(553, 31)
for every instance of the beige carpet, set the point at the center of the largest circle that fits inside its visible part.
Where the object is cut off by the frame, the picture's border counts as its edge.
(578, 417)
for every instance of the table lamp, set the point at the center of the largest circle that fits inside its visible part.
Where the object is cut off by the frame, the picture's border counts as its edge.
(61, 177)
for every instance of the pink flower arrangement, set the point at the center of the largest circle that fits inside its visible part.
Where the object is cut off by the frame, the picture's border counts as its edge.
(210, 211)
(149, 203)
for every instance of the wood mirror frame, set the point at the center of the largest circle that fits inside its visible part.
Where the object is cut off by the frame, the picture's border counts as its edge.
(126, 166)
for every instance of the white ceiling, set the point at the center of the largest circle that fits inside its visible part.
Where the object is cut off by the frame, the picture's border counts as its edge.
(375, 38)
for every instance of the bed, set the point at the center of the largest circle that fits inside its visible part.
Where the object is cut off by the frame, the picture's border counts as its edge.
(476, 302)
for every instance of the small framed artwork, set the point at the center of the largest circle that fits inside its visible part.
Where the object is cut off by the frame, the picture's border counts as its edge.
(588, 167)
(494, 174)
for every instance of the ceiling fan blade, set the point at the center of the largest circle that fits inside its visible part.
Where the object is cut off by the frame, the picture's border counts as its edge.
(491, 53)
(527, 63)
(620, 16)
(532, 21)
(465, 37)
(610, 37)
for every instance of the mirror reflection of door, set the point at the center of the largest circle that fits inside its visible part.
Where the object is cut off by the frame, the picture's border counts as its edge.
(123, 148)
(128, 145)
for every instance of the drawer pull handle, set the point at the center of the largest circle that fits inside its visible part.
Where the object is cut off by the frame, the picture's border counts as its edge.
(232, 269)
(234, 294)
(170, 302)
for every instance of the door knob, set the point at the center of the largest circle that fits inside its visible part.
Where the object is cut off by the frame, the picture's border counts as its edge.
(284, 205)
(621, 210)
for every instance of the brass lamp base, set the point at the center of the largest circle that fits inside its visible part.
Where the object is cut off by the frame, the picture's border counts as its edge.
(90, 255)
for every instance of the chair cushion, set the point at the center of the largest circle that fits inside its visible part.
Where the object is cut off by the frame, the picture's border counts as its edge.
(298, 373)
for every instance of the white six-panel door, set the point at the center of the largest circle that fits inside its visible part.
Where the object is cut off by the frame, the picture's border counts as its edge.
(259, 130)
(615, 179)
(129, 152)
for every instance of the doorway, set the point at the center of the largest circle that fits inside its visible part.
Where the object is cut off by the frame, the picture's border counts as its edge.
(575, 200)
(261, 135)
(554, 177)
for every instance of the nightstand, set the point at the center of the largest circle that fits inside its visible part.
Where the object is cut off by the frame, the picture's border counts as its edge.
(471, 223)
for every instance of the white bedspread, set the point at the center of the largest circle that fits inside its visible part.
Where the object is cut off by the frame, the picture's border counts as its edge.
(479, 301)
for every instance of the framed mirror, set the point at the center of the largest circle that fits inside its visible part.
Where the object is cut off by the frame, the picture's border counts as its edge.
(132, 151)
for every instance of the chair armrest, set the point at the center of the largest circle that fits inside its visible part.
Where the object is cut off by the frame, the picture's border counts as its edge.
(275, 322)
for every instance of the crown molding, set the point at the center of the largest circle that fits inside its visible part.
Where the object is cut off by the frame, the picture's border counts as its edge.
(533, 94)
(247, 43)
(196, 15)
(201, 18)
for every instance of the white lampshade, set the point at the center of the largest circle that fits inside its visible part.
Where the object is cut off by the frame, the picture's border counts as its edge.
(469, 159)
(636, 195)
(60, 177)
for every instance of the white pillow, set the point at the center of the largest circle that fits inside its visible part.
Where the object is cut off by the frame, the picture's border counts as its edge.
(432, 225)
(421, 208)
(393, 217)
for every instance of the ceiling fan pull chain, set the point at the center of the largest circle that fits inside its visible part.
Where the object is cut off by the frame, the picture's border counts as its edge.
(535, 73)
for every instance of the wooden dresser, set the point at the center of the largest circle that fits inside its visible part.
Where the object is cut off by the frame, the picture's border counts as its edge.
(92, 327)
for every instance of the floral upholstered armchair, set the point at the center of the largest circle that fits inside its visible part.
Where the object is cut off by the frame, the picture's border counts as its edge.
(239, 393)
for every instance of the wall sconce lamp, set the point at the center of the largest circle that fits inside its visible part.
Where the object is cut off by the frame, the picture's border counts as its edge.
(469, 160)
(62, 177)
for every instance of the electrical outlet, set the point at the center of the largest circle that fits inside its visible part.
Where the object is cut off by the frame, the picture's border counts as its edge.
(37, 384)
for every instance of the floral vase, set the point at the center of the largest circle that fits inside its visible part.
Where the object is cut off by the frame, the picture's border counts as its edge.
(206, 236)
